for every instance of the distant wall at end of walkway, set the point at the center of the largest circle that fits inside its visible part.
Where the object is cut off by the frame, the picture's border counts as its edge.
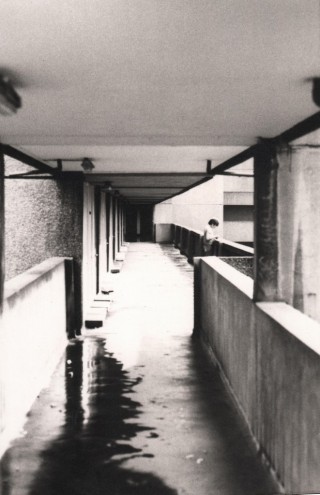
(269, 354)
(32, 339)
(194, 207)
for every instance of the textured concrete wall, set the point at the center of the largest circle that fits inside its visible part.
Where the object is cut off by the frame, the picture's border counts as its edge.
(298, 226)
(195, 207)
(242, 264)
(270, 355)
(1, 226)
(238, 223)
(43, 218)
(32, 339)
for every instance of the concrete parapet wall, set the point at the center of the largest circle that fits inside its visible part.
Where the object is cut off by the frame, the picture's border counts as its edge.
(163, 232)
(189, 242)
(243, 264)
(270, 356)
(32, 339)
(184, 240)
(177, 236)
(230, 248)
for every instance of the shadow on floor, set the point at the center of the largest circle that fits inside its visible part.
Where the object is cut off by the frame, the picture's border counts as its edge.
(237, 449)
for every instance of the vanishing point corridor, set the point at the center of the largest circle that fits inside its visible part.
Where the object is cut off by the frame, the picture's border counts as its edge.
(135, 407)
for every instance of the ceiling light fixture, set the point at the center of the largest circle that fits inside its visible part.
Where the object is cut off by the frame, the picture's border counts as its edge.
(10, 101)
(316, 91)
(87, 165)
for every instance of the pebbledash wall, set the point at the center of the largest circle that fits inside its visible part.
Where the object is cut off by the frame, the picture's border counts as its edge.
(43, 219)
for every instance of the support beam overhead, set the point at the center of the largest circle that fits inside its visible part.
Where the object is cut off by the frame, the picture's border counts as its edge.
(304, 127)
(28, 160)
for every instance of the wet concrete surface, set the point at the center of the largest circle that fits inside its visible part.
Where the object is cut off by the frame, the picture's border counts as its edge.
(134, 407)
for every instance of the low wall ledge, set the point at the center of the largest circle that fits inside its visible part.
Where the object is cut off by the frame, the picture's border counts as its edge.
(188, 228)
(20, 282)
(301, 326)
(237, 245)
(234, 277)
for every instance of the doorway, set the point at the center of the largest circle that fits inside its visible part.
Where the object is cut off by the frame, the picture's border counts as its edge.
(139, 223)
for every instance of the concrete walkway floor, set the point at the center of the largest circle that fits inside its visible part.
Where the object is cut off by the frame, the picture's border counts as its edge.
(134, 407)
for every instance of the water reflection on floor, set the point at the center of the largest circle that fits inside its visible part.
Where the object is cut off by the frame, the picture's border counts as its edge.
(134, 408)
(100, 417)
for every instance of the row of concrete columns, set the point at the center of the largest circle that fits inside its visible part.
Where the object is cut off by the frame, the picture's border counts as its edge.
(287, 226)
(103, 237)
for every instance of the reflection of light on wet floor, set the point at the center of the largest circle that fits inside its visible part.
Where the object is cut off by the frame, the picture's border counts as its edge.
(87, 378)
(125, 347)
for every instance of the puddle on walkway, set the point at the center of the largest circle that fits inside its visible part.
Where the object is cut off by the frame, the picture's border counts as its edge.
(100, 419)
(89, 435)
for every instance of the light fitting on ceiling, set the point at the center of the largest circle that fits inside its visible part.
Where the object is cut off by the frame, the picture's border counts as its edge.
(316, 91)
(107, 186)
(87, 165)
(10, 101)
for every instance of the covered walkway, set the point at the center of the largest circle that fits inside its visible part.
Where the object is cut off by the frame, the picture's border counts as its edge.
(134, 407)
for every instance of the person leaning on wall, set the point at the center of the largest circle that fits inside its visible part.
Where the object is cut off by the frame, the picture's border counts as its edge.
(209, 236)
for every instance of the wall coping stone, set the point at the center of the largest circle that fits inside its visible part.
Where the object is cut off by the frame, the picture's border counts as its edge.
(301, 326)
(187, 228)
(236, 245)
(19, 283)
(234, 277)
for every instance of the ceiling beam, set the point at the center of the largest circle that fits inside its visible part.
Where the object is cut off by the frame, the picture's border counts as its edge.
(28, 160)
(299, 130)
(149, 187)
(205, 179)
(103, 176)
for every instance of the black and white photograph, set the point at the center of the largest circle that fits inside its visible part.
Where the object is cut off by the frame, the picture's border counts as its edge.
(159, 247)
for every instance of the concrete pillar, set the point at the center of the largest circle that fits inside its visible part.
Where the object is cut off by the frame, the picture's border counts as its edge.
(197, 297)
(116, 227)
(1, 226)
(110, 240)
(89, 258)
(265, 225)
(287, 225)
(2, 336)
(299, 228)
(122, 223)
(103, 238)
